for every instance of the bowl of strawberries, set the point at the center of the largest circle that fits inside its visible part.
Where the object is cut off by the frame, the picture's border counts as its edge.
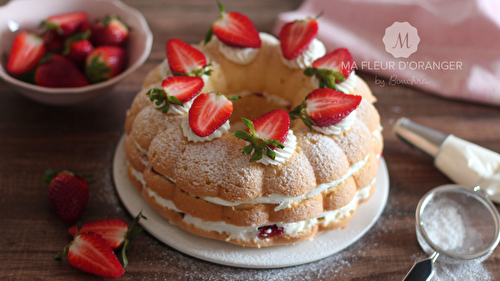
(64, 52)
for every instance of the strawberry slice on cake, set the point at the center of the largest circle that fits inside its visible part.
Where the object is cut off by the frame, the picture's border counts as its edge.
(332, 68)
(234, 29)
(184, 59)
(296, 36)
(325, 107)
(176, 90)
(265, 134)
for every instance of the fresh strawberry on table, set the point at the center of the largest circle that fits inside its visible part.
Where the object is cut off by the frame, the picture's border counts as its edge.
(210, 111)
(296, 36)
(57, 71)
(114, 231)
(184, 59)
(68, 193)
(65, 24)
(265, 134)
(104, 63)
(25, 53)
(90, 253)
(234, 29)
(332, 68)
(177, 90)
(77, 48)
(325, 107)
(110, 31)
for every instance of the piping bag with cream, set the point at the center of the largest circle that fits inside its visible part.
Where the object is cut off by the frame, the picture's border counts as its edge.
(463, 162)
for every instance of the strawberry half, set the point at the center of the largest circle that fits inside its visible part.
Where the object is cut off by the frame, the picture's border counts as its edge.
(296, 36)
(110, 31)
(90, 253)
(234, 29)
(68, 193)
(325, 107)
(114, 231)
(177, 90)
(332, 68)
(57, 71)
(65, 24)
(25, 53)
(185, 59)
(265, 134)
(104, 63)
(209, 112)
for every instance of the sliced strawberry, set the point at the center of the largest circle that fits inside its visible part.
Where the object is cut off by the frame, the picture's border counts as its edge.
(326, 107)
(185, 59)
(68, 193)
(90, 253)
(25, 53)
(209, 112)
(111, 230)
(177, 90)
(234, 29)
(57, 71)
(265, 134)
(332, 68)
(104, 63)
(65, 24)
(110, 31)
(296, 36)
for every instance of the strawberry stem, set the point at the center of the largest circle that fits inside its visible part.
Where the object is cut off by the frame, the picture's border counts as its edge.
(300, 112)
(132, 232)
(326, 77)
(160, 96)
(257, 144)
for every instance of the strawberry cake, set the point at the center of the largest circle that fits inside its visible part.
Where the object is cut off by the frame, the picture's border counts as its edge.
(254, 140)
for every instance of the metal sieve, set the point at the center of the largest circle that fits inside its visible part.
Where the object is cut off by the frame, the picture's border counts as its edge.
(454, 224)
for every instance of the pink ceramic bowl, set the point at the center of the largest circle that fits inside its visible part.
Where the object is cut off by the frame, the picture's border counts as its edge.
(27, 15)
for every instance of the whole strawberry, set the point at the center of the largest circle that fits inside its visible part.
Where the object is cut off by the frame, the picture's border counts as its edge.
(68, 193)
(105, 62)
(110, 31)
(77, 48)
(57, 71)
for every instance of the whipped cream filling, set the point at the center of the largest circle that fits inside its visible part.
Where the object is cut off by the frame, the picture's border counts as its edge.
(285, 201)
(340, 127)
(281, 153)
(166, 72)
(250, 233)
(191, 136)
(314, 51)
(346, 87)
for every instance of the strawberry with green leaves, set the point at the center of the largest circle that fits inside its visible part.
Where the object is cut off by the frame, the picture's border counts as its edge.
(332, 68)
(114, 231)
(325, 107)
(65, 24)
(175, 90)
(234, 29)
(26, 51)
(68, 193)
(77, 48)
(90, 253)
(110, 31)
(265, 134)
(57, 71)
(184, 59)
(210, 111)
(296, 36)
(104, 63)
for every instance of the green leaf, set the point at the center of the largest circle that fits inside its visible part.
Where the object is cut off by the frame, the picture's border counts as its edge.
(221, 7)
(48, 25)
(74, 38)
(242, 134)
(310, 71)
(208, 35)
(247, 149)
(233, 98)
(49, 175)
(97, 70)
(275, 143)
(270, 153)
(174, 100)
(124, 255)
(257, 155)
(249, 125)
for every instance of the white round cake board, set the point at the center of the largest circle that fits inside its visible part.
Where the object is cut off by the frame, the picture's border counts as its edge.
(325, 244)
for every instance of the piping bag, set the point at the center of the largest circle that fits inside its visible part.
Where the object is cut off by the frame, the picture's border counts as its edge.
(463, 162)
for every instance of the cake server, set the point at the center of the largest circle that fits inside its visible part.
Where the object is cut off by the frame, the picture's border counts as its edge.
(463, 162)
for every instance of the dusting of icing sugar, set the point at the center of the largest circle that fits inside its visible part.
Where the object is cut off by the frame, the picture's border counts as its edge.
(282, 154)
(314, 51)
(191, 136)
(340, 127)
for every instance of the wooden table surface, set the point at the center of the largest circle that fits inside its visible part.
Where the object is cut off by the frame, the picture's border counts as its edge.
(83, 137)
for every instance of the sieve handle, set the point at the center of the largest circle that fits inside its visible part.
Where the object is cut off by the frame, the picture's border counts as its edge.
(422, 270)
